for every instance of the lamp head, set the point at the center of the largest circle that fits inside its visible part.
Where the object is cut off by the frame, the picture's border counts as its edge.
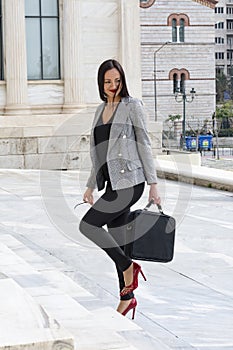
(177, 91)
(192, 92)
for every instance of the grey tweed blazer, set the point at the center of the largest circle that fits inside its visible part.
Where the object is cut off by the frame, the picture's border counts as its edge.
(129, 155)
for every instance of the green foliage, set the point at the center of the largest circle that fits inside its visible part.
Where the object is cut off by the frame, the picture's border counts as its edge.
(225, 110)
(222, 84)
(173, 117)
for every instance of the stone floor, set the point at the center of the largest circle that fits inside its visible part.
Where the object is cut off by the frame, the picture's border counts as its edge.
(66, 288)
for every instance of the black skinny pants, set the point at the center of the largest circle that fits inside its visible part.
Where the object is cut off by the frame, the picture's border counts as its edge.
(112, 209)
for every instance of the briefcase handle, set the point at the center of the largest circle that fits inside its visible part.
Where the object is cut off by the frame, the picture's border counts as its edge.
(158, 206)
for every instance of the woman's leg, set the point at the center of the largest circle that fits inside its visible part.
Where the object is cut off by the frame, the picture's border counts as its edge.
(110, 206)
(119, 235)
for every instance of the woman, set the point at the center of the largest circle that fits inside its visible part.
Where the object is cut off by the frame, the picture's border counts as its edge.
(122, 160)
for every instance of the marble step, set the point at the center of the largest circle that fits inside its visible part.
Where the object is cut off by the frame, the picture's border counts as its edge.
(57, 293)
(25, 324)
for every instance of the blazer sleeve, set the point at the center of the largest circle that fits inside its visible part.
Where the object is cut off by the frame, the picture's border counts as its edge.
(91, 182)
(138, 119)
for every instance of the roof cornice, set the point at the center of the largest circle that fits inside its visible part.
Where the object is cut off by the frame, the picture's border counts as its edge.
(209, 3)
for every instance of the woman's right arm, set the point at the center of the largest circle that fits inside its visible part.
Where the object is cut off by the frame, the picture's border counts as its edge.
(91, 185)
(88, 196)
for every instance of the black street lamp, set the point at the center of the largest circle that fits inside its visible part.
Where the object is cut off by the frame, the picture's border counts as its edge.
(155, 87)
(184, 99)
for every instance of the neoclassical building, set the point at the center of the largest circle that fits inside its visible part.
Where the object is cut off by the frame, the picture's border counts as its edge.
(50, 51)
(178, 52)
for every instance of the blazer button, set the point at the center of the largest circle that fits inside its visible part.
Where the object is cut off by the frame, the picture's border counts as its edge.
(119, 155)
(122, 171)
(124, 136)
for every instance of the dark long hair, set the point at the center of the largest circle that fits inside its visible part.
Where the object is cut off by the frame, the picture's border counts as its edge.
(104, 67)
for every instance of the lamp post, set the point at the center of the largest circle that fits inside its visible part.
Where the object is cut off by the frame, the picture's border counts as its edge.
(155, 88)
(184, 99)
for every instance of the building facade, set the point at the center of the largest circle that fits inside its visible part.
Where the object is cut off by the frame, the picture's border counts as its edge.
(178, 48)
(50, 51)
(224, 37)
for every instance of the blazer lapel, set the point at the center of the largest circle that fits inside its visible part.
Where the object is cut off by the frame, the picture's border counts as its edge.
(118, 122)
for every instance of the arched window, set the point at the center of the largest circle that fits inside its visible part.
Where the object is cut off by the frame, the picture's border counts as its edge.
(42, 35)
(181, 30)
(179, 76)
(175, 82)
(174, 30)
(182, 82)
(178, 22)
(1, 50)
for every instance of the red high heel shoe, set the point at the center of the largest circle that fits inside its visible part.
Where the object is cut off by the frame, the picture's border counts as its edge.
(131, 306)
(128, 289)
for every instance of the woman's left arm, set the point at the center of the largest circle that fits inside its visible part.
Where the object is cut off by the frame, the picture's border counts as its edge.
(138, 119)
(154, 194)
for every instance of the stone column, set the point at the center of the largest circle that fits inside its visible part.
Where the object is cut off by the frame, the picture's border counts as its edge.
(130, 44)
(15, 58)
(72, 55)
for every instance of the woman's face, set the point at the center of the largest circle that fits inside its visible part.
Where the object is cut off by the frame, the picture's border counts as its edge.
(112, 84)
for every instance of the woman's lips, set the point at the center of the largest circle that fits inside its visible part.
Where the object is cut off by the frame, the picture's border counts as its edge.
(113, 91)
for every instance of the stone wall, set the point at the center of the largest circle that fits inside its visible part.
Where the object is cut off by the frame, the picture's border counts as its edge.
(53, 142)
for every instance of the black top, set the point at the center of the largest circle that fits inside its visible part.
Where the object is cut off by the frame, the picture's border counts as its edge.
(101, 137)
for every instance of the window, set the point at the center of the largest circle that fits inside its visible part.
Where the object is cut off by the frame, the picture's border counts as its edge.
(219, 10)
(174, 30)
(181, 30)
(229, 10)
(178, 22)
(219, 70)
(219, 40)
(230, 24)
(230, 41)
(175, 82)
(1, 48)
(230, 55)
(219, 55)
(42, 36)
(219, 25)
(179, 76)
(182, 82)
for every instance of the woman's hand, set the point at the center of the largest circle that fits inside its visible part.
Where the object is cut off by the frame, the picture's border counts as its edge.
(88, 196)
(154, 194)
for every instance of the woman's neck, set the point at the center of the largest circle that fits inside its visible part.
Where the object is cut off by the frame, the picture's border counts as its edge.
(116, 100)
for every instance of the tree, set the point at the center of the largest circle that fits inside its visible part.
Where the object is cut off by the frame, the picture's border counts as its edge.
(225, 114)
(222, 85)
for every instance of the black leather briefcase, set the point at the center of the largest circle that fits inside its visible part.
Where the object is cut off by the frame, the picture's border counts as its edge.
(150, 236)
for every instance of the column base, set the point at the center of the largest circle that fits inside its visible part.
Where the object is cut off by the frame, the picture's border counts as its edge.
(17, 110)
(72, 108)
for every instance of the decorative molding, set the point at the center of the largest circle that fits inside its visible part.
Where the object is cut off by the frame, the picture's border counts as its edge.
(146, 4)
(178, 17)
(208, 3)
(179, 72)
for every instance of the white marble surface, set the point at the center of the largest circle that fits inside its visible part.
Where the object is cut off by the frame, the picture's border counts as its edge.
(186, 304)
(25, 324)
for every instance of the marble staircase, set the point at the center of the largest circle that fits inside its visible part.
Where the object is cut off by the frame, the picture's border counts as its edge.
(39, 307)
